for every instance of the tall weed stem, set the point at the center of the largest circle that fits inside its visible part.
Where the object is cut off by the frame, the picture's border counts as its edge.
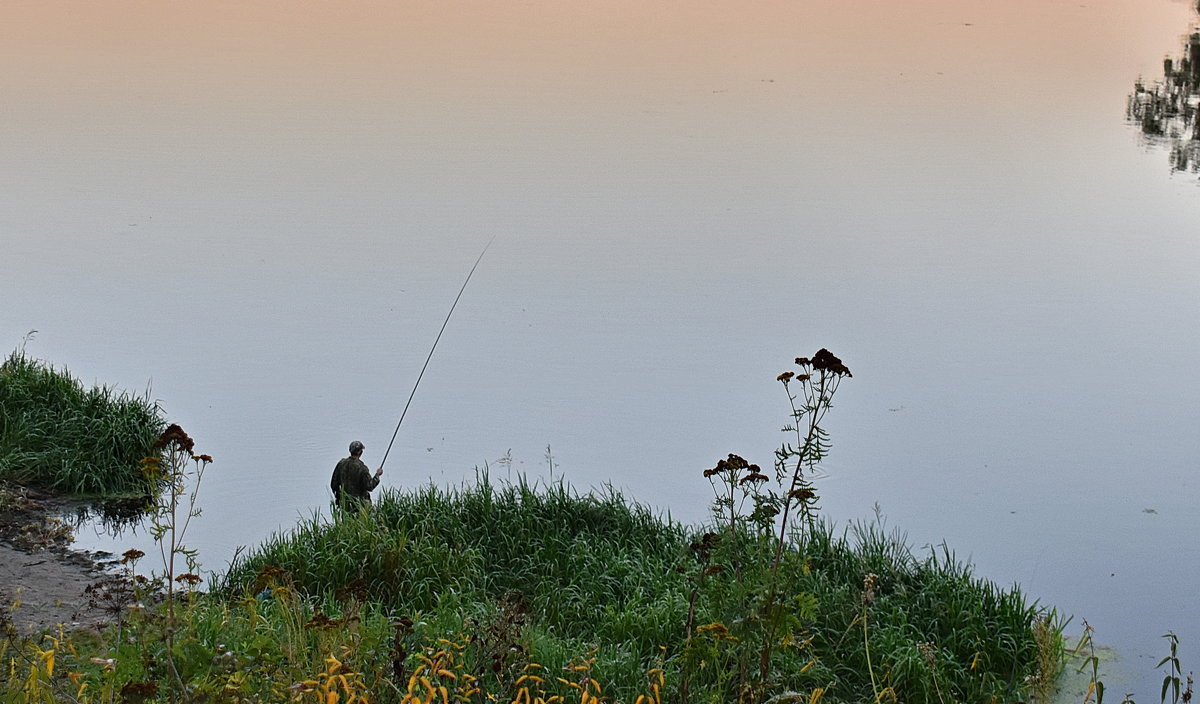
(179, 468)
(799, 462)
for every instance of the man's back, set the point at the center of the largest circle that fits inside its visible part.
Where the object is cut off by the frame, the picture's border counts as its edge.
(352, 483)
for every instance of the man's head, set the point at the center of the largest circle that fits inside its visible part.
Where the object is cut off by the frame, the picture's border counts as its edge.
(356, 448)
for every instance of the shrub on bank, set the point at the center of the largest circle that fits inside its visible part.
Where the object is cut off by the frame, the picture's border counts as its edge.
(543, 575)
(548, 595)
(536, 593)
(57, 435)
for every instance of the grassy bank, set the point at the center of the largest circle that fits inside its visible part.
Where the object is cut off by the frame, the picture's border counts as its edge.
(519, 592)
(498, 592)
(58, 435)
(553, 575)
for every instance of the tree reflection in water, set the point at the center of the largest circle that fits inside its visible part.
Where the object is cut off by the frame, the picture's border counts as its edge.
(1166, 109)
(113, 517)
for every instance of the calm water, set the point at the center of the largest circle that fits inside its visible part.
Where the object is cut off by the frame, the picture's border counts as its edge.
(264, 214)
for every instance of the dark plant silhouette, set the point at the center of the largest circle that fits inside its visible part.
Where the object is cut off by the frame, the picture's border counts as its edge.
(1166, 109)
(795, 464)
(757, 523)
(178, 468)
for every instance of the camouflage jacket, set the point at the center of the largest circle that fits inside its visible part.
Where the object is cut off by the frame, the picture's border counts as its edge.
(352, 483)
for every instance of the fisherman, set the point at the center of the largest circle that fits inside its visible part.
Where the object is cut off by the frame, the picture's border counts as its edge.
(352, 481)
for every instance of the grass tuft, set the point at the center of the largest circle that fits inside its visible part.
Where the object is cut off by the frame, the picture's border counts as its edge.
(58, 435)
(541, 574)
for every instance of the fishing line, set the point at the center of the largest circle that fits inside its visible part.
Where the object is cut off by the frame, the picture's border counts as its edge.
(431, 349)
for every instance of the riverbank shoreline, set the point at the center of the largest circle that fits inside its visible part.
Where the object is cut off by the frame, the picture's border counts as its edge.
(43, 582)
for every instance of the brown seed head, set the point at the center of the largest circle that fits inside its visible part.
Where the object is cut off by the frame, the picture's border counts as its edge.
(824, 360)
(174, 435)
(320, 621)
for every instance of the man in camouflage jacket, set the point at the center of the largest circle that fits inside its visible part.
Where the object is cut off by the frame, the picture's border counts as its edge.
(352, 481)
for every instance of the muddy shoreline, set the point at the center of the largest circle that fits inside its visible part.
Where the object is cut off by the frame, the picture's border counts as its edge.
(43, 582)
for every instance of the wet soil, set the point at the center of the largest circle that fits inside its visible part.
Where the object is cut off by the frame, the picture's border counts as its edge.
(43, 583)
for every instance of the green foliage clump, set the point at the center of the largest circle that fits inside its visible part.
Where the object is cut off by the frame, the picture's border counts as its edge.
(432, 577)
(519, 592)
(276, 648)
(543, 574)
(542, 564)
(58, 435)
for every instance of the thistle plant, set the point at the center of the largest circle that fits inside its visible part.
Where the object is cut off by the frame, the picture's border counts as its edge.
(180, 471)
(736, 482)
(796, 464)
(755, 523)
(734, 490)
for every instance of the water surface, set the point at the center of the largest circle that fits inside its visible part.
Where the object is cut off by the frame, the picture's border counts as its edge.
(263, 213)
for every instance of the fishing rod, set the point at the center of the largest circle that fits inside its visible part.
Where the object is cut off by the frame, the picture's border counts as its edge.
(431, 349)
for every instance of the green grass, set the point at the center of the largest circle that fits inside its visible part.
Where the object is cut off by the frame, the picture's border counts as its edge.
(58, 435)
(932, 624)
(480, 587)
(573, 569)
(476, 587)
(552, 574)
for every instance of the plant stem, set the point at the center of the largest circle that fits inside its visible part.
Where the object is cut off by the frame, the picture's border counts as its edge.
(867, 648)
(816, 411)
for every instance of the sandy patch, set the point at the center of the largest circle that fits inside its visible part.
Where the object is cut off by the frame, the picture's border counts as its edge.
(42, 582)
(47, 588)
